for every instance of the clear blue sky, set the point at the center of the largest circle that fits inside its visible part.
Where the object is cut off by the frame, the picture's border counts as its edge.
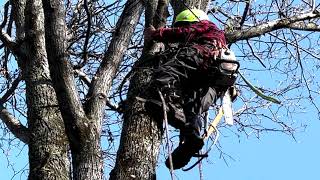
(272, 157)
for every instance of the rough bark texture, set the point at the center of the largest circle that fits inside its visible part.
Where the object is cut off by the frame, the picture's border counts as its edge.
(54, 108)
(113, 56)
(140, 137)
(48, 143)
(19, 17)
(83, 133)
(141, 134)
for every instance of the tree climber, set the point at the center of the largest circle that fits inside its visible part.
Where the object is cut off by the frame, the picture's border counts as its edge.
(189, 77)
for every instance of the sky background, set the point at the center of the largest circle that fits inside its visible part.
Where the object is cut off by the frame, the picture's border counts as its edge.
(272, 157)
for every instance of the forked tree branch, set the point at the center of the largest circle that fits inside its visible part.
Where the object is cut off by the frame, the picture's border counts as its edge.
(62, 72)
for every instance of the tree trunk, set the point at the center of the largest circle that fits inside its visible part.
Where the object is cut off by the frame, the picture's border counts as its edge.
(141, 134)
(48, 144)
(140, 137)
(83, 133)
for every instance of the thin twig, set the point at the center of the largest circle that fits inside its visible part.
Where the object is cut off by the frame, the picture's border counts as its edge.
(245, 13)
(87, 37)
(254, 54)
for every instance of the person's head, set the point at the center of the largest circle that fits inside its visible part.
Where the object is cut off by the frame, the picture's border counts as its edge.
(188, 17)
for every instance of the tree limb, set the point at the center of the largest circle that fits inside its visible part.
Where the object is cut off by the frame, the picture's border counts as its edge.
(16, 128)
(9, 92)
(245, 13)
(87, 36)
(14, 125)
(8, 42)
(264, 28)
(112, 58)
(62, 72)
(83, 77)
(5, 36)
(305, 26)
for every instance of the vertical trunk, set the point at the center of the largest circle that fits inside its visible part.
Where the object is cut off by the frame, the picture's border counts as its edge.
(83, 132)
(140, 137)
(48, 143)
(141, 134)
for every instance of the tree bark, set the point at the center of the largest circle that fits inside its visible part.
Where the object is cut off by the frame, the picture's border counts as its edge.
(140, 137)
(141, 134)
(83, 133)
(48, 145)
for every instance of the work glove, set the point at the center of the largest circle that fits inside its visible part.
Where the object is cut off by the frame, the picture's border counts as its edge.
(148, 33)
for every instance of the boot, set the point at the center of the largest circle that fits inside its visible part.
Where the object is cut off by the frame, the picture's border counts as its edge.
(190, 144)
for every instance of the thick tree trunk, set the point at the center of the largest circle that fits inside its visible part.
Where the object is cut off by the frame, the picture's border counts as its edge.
(140, 137)
(83, 133)
(141, 134)
(48, 144)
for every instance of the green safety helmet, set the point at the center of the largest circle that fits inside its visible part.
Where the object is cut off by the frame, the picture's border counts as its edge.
(194, 16)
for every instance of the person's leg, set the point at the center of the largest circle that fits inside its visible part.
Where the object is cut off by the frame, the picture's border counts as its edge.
(166, 79)
(190, 139)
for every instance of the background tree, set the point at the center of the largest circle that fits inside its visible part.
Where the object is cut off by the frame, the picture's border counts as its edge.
(65, 68)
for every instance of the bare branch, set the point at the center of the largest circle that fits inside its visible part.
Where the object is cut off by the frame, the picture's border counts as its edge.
(296, 46)
(17, 129)
(83, 76)
(245, 13)
(305, 26)
(9, 92)
(87, 37)
(8, 41)
(113, 56)
(254, 54)
(264, 28)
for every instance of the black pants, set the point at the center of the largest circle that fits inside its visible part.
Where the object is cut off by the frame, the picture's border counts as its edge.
(186, 86)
